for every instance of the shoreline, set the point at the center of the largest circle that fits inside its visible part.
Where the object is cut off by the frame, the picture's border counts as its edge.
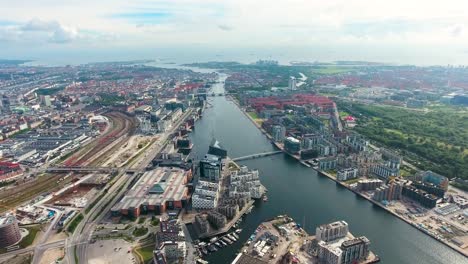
(322, 173)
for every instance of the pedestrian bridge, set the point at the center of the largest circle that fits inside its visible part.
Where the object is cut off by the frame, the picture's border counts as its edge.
(258, 155)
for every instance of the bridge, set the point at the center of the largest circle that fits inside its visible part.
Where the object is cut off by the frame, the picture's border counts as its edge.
(257, 155)
(84, 169)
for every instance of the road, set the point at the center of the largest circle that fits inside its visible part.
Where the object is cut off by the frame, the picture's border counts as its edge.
(55, 244)
(83, 233)
(40, 248)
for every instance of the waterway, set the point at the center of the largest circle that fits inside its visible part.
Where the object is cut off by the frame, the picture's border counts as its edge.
(310, 199)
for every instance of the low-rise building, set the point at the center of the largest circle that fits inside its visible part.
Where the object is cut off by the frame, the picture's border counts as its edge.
(157, 191)
(347, 174)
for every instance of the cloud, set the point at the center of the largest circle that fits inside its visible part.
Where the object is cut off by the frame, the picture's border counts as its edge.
(225, 27)
(49, 31)
(456, 31)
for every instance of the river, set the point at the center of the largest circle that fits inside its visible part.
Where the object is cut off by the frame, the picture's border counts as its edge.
(299, 192)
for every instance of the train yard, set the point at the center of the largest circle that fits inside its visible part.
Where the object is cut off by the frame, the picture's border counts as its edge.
(121, 126)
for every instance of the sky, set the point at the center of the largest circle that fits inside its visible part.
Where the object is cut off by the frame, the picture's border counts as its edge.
(396, 31)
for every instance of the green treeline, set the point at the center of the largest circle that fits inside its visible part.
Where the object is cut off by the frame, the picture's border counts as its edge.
(439, 138)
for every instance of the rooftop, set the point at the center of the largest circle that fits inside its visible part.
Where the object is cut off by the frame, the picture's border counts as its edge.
(156, 187)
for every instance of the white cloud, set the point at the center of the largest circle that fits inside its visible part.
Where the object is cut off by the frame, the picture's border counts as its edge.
(238, 23)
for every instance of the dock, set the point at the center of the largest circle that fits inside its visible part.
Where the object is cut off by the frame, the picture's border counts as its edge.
(230, 224)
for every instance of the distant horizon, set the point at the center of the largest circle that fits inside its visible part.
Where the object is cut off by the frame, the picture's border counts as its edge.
(55, 61)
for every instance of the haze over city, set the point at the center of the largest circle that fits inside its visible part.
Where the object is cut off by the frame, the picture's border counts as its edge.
(70, 32)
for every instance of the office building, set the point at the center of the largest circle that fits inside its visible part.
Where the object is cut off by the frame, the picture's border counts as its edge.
(210, 168)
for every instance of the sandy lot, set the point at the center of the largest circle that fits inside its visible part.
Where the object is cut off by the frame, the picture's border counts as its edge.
(110, 251)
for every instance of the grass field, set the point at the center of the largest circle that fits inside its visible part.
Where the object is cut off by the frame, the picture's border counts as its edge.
(146, 253)
(74, 223)
(255, 117)
(29, 239)
(140, 231)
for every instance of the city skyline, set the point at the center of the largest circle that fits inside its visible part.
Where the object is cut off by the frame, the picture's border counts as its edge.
(416, 32)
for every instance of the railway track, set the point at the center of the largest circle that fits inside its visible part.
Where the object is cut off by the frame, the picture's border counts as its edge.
(122, 126)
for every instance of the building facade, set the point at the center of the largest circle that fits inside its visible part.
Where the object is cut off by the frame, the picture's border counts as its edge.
(9, 231)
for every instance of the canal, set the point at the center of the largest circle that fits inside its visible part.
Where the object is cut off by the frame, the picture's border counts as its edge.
(310, 199)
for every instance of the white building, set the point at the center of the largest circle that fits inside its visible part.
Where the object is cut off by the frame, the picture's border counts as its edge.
(332, 231)
(347, 174)
(206, 195)
(329, 254)
(292, 84)
(245, 182)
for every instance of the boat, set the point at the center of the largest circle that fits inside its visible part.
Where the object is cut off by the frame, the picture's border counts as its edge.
(218, 244)
(213, 239)
(227, 240)
(235, 235)
(238, 231)
(265, 198)
(231, 237)
(223, 243)
(203, 250)
(212, 248)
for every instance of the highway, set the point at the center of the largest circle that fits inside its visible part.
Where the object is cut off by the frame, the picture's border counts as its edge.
(84, 231)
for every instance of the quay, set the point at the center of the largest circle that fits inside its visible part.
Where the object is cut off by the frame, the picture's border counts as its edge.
(322, 173)
(228, 225)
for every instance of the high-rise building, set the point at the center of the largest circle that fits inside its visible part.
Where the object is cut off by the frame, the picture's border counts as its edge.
(292, 84)
(210, 168)
(354, 250)
(332, 231)
(279, 133)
